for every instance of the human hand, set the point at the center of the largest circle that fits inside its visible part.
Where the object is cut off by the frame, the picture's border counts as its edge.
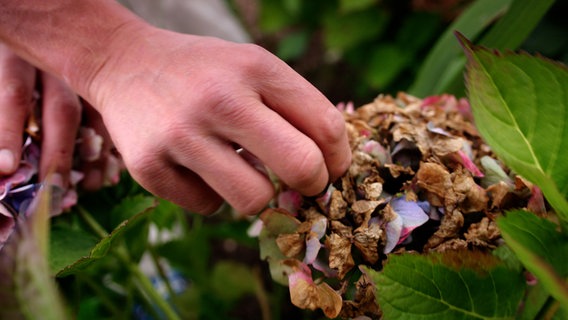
(178, 105)
(61, 112)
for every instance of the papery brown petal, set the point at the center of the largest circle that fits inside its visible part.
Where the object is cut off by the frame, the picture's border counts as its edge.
(341, 229)
(338, 206)
(483, 234)
(497, 193)
(367, 241)
(340, 257)
(474, 197)
(291, 245)
(348, 192)
(436, 179)
(396, 170)
(449, 228)
(372, 191)
(305, 294)
(451, 245)
(361, 211)
(442, 146)
(364, 301)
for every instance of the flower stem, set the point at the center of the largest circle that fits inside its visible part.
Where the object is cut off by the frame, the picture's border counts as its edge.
(145, 284)
(92, 223)
(141, 279)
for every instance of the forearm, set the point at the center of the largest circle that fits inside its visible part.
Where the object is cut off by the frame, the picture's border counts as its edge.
(70, 38)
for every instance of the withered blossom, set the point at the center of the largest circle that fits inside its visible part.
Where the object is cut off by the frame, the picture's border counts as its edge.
(417, 165)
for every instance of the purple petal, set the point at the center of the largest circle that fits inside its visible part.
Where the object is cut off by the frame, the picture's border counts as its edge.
(411, 213)
(430, 126)
(313, 246)
(393, 229)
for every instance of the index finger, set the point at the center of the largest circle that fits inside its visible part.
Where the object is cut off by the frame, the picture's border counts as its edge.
(305, 107)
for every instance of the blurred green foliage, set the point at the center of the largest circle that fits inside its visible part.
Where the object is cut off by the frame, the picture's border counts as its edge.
(354, 50)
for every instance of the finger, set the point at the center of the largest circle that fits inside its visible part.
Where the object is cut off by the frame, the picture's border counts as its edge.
(176, 184)
(17, 81)
(61, 115)
(289, 153)
(106, 169)
(300, 103)
(246, 189)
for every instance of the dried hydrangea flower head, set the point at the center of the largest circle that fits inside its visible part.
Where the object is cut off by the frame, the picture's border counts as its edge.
(421, 180)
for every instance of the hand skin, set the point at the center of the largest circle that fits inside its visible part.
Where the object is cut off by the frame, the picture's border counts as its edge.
(176, 105)
(60, 116)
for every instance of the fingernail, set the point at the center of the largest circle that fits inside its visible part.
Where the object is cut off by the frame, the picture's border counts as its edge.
(7, 161)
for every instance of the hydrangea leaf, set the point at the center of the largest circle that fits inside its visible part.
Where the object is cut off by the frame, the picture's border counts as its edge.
(520, 106)
(27, 290)
(541, 248)
(435, 287)
(81, 257)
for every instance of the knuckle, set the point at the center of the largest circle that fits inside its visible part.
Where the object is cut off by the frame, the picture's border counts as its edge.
(255, 203)
(259, 61)
(306, 170)
(334, 126)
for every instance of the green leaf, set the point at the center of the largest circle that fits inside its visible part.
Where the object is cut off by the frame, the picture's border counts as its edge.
(293, 45)
(68, 245)
(343, 32)
(386, 63)
(445, 62)
(541, 248)
(521, 19)
(355, 5)
(520, 106)
(27, 290)
(231, 280)
(428, 287)
(476, 18)
(101, 248)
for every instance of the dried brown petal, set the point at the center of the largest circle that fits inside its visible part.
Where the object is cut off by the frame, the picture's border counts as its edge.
(306, 294)
(372, 191)
(348, 190)
(473, 198)
(361, 211)
(291, 245)
(340, 228)
(367, 240)
(435, 179)
(451, 225)
(364, 301)
(340, 257)
(442, 145)
(451, 245)
(498, 192)
(483, 234)
(338, 206)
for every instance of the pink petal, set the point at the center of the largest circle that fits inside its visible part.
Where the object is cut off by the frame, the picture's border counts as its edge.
(290, 201)
(469, 165)
(376, 150)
